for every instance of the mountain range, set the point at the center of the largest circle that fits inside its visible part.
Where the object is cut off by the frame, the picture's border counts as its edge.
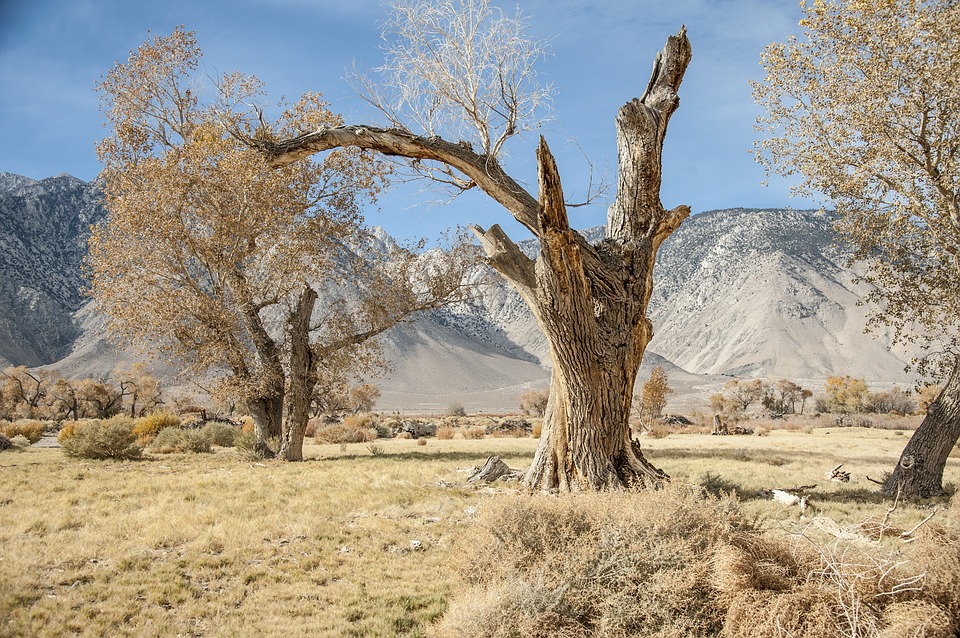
(737, 293)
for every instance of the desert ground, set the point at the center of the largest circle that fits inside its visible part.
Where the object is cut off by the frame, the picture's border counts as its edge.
(361, 539)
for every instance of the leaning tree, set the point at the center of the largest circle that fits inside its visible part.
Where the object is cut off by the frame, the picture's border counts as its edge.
(461, 67)
(863, 109)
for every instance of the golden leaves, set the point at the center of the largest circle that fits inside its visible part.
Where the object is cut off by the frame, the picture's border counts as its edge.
(863, 109)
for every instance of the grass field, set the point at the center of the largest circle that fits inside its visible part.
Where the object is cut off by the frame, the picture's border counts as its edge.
(344, 544)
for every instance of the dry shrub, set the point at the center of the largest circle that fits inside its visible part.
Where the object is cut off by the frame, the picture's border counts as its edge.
(803, 613)
(69, 430)
(176, 440)
(537, 428)
(220, 434)
(20, 442)
(445, 432)
(936, 552)
(916, 619)
(29, 428)
(659, 431)
(475, 432)
(829, 588)
(762, 581)
(421, 442)
(341, 433)
(404, 435)
(109, 439)
(627, 564)
(147, 428)
(675, 563)
(511, 433)
(361, 421)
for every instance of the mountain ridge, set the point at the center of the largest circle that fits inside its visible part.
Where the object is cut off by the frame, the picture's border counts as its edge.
(738, 292)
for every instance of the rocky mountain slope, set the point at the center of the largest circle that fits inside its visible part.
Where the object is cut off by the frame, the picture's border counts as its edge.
(749, 293)
(43, 236)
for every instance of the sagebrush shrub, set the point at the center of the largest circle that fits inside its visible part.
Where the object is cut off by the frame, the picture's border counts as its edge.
(29, 428)
(445, 432)
(340, 433)
(147, 428)
(108, 439)
(612, 565)
(21, 442)
(173, 440)
(221, 434)
(361, 421)
(475, 432)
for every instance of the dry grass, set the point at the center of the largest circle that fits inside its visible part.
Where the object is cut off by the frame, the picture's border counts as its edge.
(212, 545)
(215, 545)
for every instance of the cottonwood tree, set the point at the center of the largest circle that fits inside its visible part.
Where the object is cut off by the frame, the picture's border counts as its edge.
(225, 266)
(783, 395)
(653, 395)
(863, 109)
(457, 84)
(534, 401)
(22, 392)
(363, 397)
(846, 394)
(141, 390)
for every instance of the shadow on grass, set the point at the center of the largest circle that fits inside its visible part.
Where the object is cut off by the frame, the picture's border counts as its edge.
(403, 457)
(743, 455)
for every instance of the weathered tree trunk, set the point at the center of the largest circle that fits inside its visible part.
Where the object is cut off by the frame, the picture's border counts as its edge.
(302, 379)
(267, 413)
(919, 471)
(591, 301)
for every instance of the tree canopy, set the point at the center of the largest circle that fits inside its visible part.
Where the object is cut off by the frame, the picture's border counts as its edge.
(261, 277)
(862, 109)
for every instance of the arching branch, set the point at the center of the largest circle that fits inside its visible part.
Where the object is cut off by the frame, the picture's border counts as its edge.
(484, 171)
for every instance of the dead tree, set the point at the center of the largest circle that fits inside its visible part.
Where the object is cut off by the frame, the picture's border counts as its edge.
(590, 300)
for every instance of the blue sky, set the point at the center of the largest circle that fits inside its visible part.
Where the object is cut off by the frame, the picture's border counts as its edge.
(53, 51)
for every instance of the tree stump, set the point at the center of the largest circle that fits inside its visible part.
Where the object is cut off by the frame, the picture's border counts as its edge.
(493, 470)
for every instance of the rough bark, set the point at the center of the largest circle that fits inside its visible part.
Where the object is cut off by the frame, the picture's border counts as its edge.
(591, 301)
(493, 469)
(302, 379)
(266, 412)
(919, 470)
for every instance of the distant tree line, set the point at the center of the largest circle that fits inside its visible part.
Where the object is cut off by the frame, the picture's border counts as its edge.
(842, 395)
(45, 394)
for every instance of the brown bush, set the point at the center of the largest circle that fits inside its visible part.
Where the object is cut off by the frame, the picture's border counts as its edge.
(445, 432)
(475, 432)
(916, 619)
(673, 563)
(660, 430)
(340, 433)
(176, 440)
(108, 439)
(147, 428)
(600, 564)
(29, 428)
